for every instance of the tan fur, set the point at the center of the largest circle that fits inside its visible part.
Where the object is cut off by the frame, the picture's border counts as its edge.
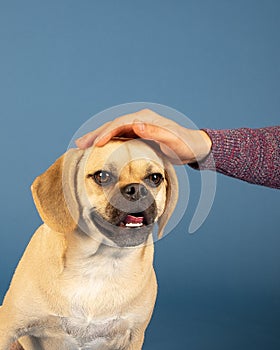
(70, 290)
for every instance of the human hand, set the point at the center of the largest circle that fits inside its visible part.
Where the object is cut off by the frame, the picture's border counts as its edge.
(179, 144)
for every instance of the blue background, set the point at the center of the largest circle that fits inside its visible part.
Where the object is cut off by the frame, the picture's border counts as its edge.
(215, 61)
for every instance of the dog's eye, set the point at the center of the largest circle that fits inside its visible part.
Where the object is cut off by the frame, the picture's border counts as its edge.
(102, 177)
(154, 180)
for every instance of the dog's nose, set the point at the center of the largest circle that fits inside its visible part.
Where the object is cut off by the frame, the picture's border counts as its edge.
(134, 191)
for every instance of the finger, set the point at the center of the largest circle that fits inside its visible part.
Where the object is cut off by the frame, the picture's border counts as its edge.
(168, 139)
(121, 126)
(154, 132)
(125, 130)
(87, 140)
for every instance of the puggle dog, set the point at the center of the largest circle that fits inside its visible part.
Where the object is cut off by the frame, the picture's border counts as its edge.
(86, 279)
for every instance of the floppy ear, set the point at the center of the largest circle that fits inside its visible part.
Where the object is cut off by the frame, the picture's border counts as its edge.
(54, 193)
(171, 196)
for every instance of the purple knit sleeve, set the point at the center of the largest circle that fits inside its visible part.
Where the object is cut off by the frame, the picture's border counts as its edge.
(252, 155)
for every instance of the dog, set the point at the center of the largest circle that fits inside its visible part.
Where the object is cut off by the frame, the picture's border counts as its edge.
(86, 280)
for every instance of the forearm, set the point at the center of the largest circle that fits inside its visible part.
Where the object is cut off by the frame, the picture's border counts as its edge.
(252, 155)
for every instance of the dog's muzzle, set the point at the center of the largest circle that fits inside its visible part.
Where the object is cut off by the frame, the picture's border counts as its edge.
(131, 212)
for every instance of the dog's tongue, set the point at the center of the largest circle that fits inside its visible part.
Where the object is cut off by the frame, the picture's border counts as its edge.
(130, 219)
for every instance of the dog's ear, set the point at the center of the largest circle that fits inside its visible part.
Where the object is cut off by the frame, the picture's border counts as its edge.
(54, 193)
(171, 196)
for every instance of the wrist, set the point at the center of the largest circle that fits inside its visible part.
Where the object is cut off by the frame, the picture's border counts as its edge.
(205, 145)
(198, 145)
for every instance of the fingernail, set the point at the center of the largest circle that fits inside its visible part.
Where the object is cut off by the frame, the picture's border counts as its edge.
(80, 143)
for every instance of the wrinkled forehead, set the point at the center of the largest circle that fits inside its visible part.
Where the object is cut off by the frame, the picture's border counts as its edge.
(118, 153)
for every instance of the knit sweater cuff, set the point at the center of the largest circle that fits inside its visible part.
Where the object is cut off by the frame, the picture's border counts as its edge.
(222, 158)
(226, 154)
(251, 155)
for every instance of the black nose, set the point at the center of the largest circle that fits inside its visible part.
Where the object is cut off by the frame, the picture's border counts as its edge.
(134, 192)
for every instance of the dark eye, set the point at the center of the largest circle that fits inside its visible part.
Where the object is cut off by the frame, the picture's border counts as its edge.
(102, 177)
(154, 180)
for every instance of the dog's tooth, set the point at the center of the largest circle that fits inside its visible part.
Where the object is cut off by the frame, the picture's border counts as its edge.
(132, 224)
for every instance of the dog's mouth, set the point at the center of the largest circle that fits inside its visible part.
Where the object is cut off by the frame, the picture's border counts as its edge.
(135, 220)
(127, 229)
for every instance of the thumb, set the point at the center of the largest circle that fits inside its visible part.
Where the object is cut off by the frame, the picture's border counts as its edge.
(153, 132)
(166, 138)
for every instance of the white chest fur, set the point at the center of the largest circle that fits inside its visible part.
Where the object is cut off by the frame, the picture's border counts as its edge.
(70, 333)
(111, 333)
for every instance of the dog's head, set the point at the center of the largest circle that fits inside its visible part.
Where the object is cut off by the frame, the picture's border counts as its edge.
(119, 190)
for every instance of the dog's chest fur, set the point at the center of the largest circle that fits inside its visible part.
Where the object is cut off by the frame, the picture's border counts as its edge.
(73, 333)
(99, 316)
(111, 333)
